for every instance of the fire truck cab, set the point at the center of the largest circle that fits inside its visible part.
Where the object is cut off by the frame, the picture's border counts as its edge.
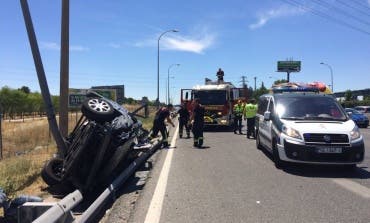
(218, 99)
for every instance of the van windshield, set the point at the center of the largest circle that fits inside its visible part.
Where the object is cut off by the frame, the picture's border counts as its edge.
(309, 108)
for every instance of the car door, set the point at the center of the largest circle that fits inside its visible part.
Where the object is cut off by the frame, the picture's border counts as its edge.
(264, 126)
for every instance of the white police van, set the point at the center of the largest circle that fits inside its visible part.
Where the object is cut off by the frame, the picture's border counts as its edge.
(302, 125)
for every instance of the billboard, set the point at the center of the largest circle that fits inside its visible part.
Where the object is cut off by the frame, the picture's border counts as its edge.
(289, 66)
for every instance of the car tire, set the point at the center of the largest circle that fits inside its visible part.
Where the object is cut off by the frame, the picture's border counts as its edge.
(258, 141)
(51, 173)
(275, 154)
(98, 109)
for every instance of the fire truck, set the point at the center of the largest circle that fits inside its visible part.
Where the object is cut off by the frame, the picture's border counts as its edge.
(218, 99)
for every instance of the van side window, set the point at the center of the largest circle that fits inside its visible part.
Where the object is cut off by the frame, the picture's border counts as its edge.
(262, 105)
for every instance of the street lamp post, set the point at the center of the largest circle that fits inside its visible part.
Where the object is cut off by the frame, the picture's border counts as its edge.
(168, 80)
(331, 75)
(159, 38)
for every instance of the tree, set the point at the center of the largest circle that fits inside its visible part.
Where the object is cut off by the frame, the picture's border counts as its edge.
(348, 95)
(280, 81)
(25, 89)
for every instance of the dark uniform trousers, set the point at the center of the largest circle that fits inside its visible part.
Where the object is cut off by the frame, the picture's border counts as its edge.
(238, 123)
(184, 123)
(198, 134)
(160, 127)
(250, 127)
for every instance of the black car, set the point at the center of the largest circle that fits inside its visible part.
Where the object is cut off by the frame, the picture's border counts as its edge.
(99, 145)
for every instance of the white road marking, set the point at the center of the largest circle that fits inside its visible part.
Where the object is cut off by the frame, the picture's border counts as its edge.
(154, 212)
(354, 187)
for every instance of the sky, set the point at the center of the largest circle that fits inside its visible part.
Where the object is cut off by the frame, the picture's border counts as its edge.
(114, 42)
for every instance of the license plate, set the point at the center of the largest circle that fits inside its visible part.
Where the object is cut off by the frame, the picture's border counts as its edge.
(329, 150)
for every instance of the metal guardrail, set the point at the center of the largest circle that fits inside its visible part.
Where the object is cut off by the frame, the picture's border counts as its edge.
(60, 208)
(70, 201)
(90, 213)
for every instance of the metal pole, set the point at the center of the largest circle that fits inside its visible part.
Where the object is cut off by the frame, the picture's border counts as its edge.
(62, 147)
(255, 79)
(159, 38)
(168, 81)
(331, 75)
(64, 70)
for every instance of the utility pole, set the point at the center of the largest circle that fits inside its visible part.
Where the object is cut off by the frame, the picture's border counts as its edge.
(255, 81)
(244, 84)
(64, 70)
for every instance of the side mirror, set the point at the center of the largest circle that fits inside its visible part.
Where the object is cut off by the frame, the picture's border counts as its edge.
(267, 116)
(349, 113)
(187, 95)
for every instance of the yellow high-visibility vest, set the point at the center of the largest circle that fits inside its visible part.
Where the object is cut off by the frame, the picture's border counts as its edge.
(250, 110)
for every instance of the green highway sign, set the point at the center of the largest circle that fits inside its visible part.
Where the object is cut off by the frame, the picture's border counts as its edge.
(289, 66)
(75, 100)
(77, 96)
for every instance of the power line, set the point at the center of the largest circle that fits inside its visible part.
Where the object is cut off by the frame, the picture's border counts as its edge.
(361, 3)
(325, 16)
(341, 11)
(354, 8)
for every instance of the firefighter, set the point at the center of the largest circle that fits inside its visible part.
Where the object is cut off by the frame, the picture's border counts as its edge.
(220, 75)
(238, 114)
(183, 120)
(197, 119)
(159, 123)
(250, 112)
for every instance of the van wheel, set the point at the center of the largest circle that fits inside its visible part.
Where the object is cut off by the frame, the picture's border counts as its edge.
(258, 141)
(275, 154)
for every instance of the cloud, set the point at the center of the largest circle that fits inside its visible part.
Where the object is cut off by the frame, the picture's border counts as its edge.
(282, 11)
(189, 44)
(195, 44)
(115, 45)
(55, 46)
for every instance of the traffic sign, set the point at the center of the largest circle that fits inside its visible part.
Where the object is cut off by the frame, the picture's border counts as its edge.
(289, 66)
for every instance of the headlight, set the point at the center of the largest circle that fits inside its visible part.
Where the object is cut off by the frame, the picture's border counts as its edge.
(219, 113)
(355, 133)
(291, 132)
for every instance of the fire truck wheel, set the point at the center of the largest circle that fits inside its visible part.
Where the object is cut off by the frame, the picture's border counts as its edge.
(98, 109)
(52, 171)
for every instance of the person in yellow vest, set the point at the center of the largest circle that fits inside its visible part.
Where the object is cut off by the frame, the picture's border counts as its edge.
(238, 114)
(250, 112)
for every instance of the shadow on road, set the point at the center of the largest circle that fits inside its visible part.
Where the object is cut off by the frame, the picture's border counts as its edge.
(323, 171)
(327, 171)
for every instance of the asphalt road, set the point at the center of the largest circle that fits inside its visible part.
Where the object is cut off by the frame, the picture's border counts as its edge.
(231, 181)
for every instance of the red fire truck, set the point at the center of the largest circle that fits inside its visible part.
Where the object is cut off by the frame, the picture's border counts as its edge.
(218, 99)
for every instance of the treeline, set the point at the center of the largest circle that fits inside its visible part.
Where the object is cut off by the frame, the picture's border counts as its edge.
(20, 103)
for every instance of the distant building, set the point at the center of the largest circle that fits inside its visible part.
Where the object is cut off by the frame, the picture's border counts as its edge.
(120, 91)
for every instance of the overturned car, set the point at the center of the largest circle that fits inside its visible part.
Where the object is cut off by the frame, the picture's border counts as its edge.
(101, 144)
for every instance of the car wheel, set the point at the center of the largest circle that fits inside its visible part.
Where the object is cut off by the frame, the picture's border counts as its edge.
(98, 109)
(52, 171)
(258, 141)
(275, 154)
